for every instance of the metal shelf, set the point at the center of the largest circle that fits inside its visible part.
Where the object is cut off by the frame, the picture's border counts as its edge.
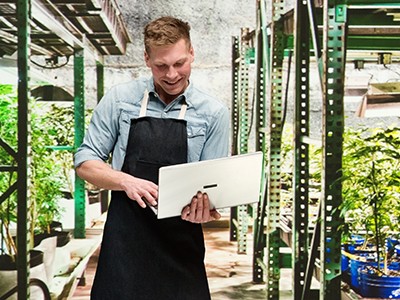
(58, 27)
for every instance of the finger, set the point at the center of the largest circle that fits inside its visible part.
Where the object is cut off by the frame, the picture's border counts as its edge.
(150, 198)
(136, 197)
(215, 215)
(141, 203)
(185, 213)
(193, 208)
(199, 209)
(206, 208)
(154, 191)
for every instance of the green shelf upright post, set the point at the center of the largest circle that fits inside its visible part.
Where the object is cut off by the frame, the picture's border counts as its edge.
(243, 107)
(262, 73)
(234, 124)
(273, 151)
(100, 79)
(334, 58)
(79, 117)
(241, 58)
(300, 240)
(243, 110)
(23, 259)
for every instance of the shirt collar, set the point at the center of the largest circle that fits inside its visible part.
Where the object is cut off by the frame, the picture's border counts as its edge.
(185, 96)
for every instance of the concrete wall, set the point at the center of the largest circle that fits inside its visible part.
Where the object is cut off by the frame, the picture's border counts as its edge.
(214, 22)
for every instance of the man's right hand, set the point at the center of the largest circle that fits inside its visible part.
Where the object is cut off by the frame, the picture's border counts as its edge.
(102, 175)
(137, 189)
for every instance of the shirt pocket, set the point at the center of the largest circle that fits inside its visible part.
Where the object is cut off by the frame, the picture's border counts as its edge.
(196, 140)
(124, 128)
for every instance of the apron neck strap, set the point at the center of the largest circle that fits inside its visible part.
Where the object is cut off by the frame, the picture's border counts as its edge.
(183, 111)
(145, 101)
(143, 106)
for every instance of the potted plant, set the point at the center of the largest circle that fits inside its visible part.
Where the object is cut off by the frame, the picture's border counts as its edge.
(371, 206)
(45, 179)
(8, 216)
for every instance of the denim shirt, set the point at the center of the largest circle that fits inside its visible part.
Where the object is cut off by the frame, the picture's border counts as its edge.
(207, 122)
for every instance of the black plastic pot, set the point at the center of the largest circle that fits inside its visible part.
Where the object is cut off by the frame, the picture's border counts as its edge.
(63, 237)
(7, 262)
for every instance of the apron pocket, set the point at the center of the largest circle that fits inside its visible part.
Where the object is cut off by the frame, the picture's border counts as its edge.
(148, 170)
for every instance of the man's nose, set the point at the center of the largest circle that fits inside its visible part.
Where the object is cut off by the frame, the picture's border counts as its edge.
(171, 73)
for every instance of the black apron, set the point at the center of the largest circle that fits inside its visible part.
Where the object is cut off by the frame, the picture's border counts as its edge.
(142, 257)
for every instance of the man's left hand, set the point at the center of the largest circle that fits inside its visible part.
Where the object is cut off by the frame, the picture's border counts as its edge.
(198, 211)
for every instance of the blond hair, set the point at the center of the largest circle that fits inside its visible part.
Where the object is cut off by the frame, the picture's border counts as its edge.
(165, 31)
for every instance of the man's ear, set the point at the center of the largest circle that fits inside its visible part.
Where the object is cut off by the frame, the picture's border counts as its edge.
(191, 51)
(147, 59)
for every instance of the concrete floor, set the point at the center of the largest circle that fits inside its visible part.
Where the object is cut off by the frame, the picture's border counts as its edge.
(229, 273)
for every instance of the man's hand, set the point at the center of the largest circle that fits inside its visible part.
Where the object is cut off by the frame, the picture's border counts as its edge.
(102, 175)
(139, 189)
(198, 211)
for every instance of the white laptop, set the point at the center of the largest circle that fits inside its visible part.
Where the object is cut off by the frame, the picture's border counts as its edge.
(228, 181)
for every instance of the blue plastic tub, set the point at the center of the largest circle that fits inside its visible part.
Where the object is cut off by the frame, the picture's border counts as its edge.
(397, 249)
(374, 286)
(355, 268)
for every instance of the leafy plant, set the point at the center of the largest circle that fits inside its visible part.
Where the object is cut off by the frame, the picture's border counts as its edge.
(371, 184)
(46, 173)
(287, 159)
(62, 130)
(8, 134)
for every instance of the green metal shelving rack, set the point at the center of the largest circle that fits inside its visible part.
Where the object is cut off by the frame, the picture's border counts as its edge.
(325, 30)
(55, 40)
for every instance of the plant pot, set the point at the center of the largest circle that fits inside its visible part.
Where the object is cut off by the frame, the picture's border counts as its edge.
(362, 260)
(355, 267)
(8, 274)
(345, 267)
(7, 263)
(55, 225)
(63, 237)
(376, 286)
(348, 249)
(397, 250)
(48, 247)
(62, 261)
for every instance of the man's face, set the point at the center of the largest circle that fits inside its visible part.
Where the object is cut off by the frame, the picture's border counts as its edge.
(171, 67)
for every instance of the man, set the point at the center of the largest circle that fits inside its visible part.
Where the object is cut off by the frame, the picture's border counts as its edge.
(146, 124)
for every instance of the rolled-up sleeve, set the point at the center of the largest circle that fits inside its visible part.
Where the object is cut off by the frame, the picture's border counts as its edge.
(102, 132)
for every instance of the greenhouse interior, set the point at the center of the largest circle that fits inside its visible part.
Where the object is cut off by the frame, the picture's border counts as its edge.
(311, 87)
